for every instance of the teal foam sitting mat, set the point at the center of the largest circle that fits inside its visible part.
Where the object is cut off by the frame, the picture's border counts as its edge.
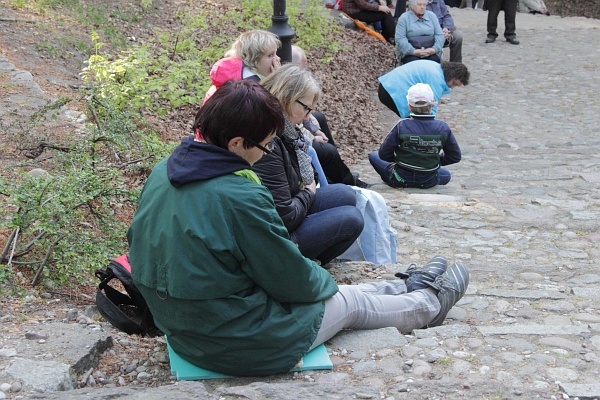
(315, 359)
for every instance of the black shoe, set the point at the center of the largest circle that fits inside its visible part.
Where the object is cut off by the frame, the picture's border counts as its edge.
(490, 39)
(451, 288)
(423, 278)
(362, 184)
(512, 40)
(357, 182)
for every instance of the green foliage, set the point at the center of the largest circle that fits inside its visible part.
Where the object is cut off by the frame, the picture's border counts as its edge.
(68, 220)
(129, 139)
(253, 14)
(81, 46)
(57, 3)
(18, 3)
(145, 3)
(445, 361)
(159, 75)
(47, 48)
(87, 14)
(314, 27)
(171, 70)
(68, 217)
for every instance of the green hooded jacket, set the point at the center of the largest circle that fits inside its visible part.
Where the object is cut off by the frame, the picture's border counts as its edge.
(214, 262)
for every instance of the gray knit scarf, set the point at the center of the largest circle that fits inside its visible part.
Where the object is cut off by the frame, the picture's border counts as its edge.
(301, 145)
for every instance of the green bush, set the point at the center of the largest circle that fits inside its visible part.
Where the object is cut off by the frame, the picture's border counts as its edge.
(73, 219)
(171, 70)
(65, 221)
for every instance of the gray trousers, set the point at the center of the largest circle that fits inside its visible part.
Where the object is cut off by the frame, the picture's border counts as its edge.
(377, 305)
(456, 47)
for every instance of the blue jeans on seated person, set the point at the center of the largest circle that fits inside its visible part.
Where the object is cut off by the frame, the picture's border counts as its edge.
(398, 177)
(333, 223)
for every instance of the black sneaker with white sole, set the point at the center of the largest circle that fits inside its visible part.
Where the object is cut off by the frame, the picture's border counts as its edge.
(451, 287)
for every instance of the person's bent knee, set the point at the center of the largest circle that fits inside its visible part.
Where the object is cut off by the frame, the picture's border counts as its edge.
(374, 155)
(457, 37)
(344, 194)
(443, 177)
(320, 117)
(374, 159)
(348, 194)
(354, 222)
(386, 100)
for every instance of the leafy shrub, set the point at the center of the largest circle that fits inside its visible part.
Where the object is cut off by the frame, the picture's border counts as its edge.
(171, 70)
(71, 220)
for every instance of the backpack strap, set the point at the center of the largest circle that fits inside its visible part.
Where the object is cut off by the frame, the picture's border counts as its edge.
(109, 299)
(113, 314)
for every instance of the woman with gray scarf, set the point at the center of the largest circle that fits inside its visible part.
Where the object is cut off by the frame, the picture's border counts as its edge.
(322, 221)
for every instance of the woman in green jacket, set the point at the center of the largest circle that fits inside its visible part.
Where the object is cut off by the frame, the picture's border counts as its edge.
(217, 268)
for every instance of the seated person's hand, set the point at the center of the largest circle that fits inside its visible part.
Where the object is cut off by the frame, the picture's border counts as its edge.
(385, 9)
(424, 52)
(446, 32)
(320, 137)
(276, 63)
(312, 187)
(420, 52)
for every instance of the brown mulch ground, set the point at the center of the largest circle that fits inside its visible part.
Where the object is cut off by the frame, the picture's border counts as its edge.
(574, 8)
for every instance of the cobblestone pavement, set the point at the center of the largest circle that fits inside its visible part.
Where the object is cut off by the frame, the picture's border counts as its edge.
(522, 212)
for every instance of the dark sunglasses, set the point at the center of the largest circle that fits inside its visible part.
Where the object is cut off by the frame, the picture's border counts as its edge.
(306, 108)
(267, 148)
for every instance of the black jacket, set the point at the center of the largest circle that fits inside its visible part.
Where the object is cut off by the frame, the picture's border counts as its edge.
(280, 173)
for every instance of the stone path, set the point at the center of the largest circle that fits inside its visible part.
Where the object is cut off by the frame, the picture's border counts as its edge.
(522, 212)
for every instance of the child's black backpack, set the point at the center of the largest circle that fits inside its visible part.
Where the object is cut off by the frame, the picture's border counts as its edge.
(125, 311)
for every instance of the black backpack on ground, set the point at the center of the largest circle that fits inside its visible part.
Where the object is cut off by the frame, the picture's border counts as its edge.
(125, 311)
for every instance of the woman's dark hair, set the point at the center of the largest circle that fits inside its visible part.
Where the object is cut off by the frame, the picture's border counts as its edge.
(455, 70)
(239, 108)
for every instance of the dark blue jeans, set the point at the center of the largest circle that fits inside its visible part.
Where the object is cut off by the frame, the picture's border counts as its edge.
(333, 223)
(398, 177)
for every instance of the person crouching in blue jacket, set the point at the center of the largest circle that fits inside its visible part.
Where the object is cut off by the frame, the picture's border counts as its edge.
(414, 151)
